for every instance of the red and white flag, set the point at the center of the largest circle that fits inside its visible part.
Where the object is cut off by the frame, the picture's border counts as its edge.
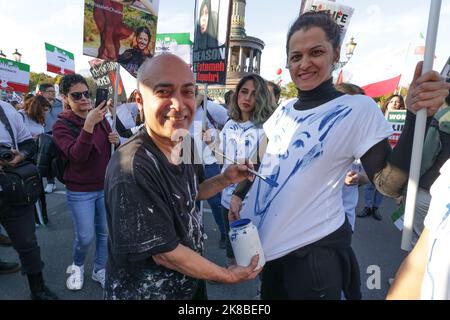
(14, 76)
(58, 60)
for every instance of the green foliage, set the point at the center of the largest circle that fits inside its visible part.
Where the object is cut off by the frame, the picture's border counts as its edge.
(90, 30)
(289, 91)
(36, 78)
(134, 18)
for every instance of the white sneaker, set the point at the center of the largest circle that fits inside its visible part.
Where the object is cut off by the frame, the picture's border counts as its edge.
(50, 187)
(99, 276)
(76, 278)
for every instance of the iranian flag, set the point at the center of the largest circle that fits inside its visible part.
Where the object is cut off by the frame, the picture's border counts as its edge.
(177, 43)
(58, 60)
(14, 76)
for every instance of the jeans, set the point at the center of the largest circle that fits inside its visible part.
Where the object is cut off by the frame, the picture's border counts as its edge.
(212, 170)
(372, 198)
(89, 218)
(19, 224)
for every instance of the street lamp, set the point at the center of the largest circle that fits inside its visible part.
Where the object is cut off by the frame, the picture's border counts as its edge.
(349, 49)
(17, 56)
(2, 55)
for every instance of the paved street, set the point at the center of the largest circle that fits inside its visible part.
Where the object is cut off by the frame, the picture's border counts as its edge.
(376, 243)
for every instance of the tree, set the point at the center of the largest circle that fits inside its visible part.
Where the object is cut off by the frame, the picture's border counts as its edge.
(289, 91)
(37, 78)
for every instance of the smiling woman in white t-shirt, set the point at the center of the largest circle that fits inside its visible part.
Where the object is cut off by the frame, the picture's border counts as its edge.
(312, 142)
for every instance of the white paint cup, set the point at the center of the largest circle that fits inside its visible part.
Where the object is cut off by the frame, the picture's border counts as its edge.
(245, 242)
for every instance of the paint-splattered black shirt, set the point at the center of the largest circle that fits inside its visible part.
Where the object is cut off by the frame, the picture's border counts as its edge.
(150, 210)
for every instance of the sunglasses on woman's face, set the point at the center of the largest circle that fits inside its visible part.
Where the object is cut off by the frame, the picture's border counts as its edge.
(77, 95)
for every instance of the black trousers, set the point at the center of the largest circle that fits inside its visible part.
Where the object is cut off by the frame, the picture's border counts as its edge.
(322, 270)
(201, 293)
(315, 276)
(19, 223)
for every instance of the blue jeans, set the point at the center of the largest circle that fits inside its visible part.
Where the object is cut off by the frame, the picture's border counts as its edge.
(89, 219)
(372, 198)
(212, 170)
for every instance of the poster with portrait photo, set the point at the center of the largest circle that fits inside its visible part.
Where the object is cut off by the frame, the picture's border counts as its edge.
(210, 48)
(117, 32)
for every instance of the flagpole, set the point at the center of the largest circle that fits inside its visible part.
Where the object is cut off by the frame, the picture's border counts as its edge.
(116, 100)
(419, 131)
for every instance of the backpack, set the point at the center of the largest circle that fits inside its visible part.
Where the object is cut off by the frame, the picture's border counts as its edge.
(59, 162)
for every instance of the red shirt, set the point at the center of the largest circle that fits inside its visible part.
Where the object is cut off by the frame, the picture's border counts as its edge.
(88, 154)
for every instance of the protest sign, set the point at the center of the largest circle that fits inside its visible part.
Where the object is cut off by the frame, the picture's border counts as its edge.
(178, 44)
(397, 217)
(397, 119)
(14, 76)
(58, 60)
(210, 51)
(117, 32)
(340, 13)
(104, 75)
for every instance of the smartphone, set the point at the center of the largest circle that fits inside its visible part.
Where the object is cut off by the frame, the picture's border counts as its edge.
(100, 96)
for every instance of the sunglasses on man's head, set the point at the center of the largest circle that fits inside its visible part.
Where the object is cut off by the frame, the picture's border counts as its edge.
(79, 95)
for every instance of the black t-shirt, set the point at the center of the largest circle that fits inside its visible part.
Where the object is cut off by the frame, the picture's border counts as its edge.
(150, 210)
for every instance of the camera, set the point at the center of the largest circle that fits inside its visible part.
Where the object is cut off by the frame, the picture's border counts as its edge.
(6, 154)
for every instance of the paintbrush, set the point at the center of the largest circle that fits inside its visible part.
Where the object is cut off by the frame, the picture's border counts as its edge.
(265, 179)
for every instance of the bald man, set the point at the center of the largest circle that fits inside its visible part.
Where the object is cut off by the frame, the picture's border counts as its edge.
(156, 233)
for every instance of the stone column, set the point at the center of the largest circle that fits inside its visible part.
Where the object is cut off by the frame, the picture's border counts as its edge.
(241, 60)
(250, 60)
(230, 56)
(258, 61)
(238, 18)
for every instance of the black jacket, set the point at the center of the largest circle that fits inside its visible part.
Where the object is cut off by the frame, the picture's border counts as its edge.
(46, 152)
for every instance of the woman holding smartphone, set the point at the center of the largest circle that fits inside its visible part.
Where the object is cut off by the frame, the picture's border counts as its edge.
(88, 155)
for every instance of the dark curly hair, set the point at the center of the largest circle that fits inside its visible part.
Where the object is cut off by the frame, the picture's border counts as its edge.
(319, 19)
(69, 80)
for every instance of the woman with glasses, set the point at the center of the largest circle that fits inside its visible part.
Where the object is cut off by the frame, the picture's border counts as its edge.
(312, 142)
(88, 154)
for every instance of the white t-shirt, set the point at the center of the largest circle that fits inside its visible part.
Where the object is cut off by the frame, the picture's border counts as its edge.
(238, 141)
(19, 129)
(220, 115)
(308, 154)
(436, 280)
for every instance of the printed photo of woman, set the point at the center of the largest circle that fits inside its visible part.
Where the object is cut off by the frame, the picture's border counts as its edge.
(206, 29)
(132, 59)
